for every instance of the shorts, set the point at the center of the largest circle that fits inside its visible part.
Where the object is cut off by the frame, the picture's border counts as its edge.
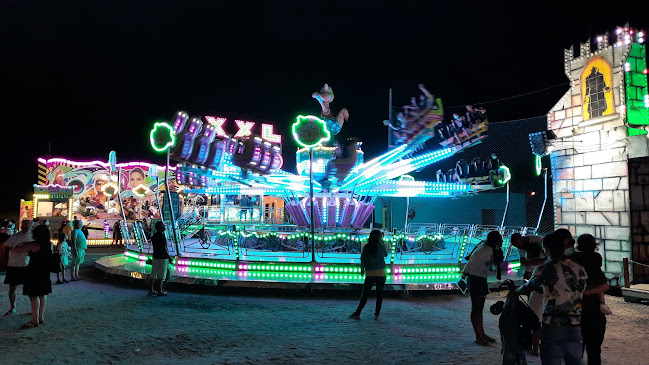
(159, 269)
(332, 125)
(16, 275)
(477, 286)
(80, 257)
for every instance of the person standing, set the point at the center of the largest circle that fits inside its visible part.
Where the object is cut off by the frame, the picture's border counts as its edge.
(79, 246)
(594, 308)
(563, 282)
(117, 234)
(64, 251)
(481, 261)
(17, 264)
(67, 229)
(243, 206)
(37, 282)
(373, 266)
(160, 259)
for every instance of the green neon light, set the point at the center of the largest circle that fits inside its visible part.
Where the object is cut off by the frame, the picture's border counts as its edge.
(314, 135)
(162, 137)
(637, 110)
(539, 165)
(508, 175)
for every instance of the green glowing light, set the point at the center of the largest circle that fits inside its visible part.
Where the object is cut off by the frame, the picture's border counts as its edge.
(506, 175)
(162, 137)
(310, 131)
(538, 165)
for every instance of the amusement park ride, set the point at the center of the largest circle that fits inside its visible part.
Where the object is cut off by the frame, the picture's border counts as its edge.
(307, 228)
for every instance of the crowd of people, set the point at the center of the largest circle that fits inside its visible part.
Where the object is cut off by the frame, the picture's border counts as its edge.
(31, 258)
(565, 290)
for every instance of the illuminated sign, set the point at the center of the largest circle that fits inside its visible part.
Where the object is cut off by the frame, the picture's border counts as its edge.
(141, 190)
(110, 189)
(217, 123)
(310, 131)
(245, 129)
(162, 137)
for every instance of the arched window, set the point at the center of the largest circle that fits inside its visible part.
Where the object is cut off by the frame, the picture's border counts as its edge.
(596, 89)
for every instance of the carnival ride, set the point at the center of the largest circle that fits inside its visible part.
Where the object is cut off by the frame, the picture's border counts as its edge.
(272, 245)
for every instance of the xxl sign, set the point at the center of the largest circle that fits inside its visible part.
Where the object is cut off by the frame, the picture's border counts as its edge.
(244, 129)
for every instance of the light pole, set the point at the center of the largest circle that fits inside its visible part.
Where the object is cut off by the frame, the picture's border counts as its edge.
(310, 132)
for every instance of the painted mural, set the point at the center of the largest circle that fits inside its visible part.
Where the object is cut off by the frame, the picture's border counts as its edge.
(95, 189)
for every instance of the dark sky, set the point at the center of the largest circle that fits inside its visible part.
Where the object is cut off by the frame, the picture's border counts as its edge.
(93, 77)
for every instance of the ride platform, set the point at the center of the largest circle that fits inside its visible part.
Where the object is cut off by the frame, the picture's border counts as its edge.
(412, 264)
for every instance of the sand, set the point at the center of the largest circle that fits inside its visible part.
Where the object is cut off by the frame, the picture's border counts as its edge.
(103, 321)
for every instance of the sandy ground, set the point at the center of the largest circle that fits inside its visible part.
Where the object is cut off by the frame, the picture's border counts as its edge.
(114, 322)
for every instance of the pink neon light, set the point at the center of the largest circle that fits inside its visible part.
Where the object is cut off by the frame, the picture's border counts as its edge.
(245, 128)
(103, 164)
(268, 135)
(217, 123)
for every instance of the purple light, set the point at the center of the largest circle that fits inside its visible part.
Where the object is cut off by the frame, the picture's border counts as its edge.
(103, 164)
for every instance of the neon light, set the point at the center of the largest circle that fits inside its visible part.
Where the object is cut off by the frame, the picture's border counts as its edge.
(162, 137)
(141, 190)
(217, 123)
(245, 128)
(100, 163)
(110, 189)
(310, 131)
(268, 135)
(538, 164)
(507, 174)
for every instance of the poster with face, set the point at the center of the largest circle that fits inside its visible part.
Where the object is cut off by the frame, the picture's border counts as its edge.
(95, 189)
(26, 210)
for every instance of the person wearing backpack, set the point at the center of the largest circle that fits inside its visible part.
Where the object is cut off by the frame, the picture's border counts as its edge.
(481, 261)
(37, 282)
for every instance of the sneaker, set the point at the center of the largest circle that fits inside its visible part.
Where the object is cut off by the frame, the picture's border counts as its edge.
(376, 317)
(59, 282)
(10, 312)
(355, 315)
(605, 309)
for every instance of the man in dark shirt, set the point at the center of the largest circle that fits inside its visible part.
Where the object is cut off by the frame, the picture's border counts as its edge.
(160, 259)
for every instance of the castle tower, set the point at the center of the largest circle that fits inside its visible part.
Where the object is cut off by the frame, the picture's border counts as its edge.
(600, 168)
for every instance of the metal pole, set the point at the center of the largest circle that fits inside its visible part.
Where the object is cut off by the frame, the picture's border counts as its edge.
(545, 199)
(502, 224)
(311, 204)
(157, 194)
(171, 210)
(390, 119)
(119, 193)
(405, 226)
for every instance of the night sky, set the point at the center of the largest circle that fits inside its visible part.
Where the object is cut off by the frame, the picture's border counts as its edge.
(92, 78)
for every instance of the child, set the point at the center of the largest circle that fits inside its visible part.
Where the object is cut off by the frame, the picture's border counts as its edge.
(535, 301)
(64, 250)
(592, 263)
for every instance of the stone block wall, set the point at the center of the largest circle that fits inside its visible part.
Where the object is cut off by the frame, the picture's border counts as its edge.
(590, 168)
(639, 188)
